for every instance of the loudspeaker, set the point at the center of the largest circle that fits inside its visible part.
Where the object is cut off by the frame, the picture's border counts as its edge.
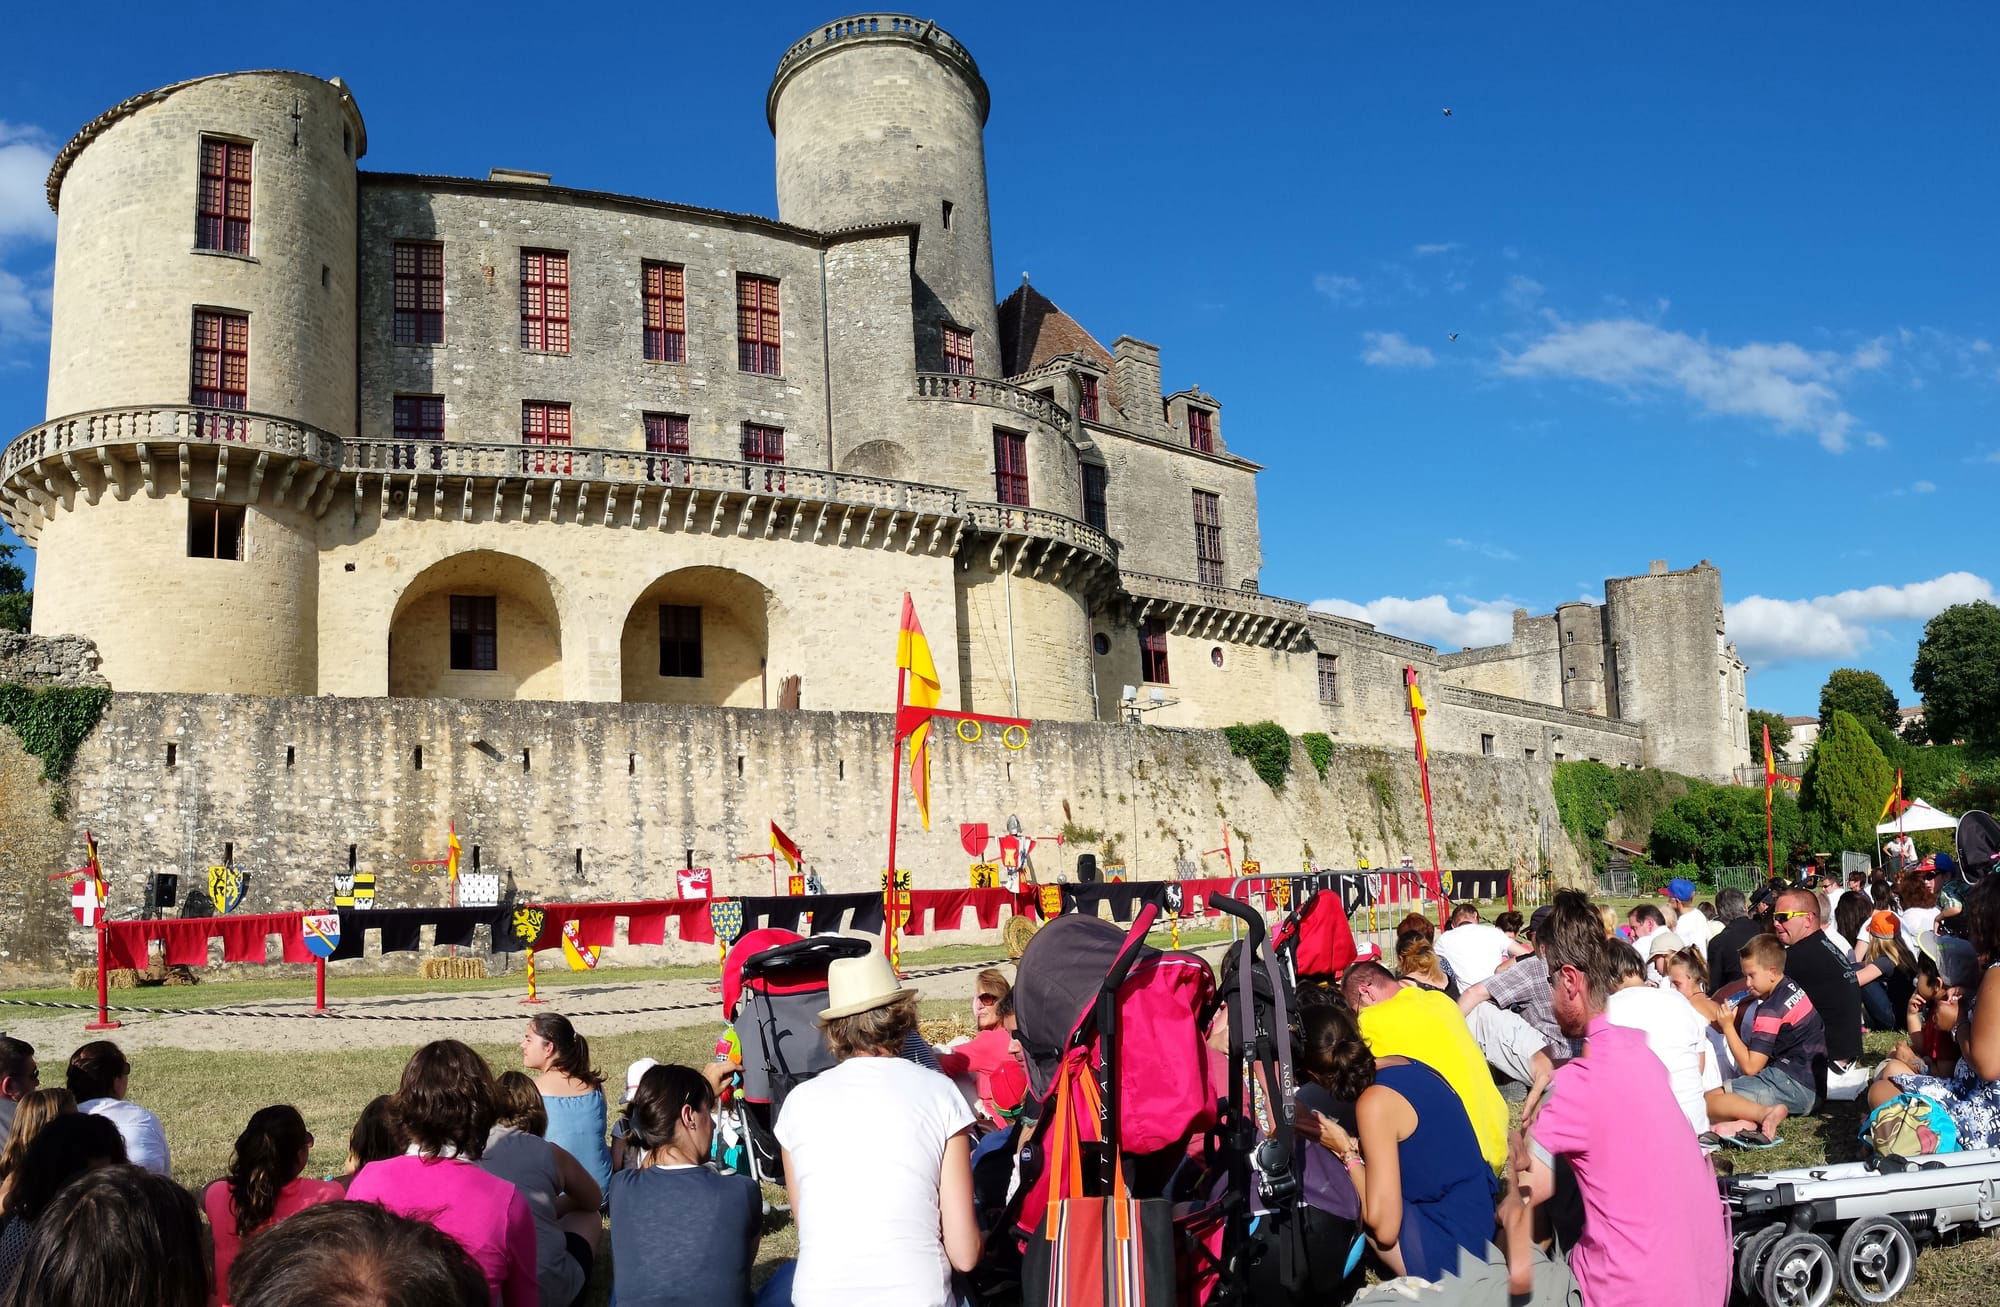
(1086, 868)
(166, 887)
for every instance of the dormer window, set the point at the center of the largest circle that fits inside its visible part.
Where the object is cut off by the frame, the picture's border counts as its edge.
(1201, 429)
(1086, 397)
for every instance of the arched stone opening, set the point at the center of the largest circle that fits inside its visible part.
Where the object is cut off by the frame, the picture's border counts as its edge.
(878, 458)
(698, 635)
(477, 625)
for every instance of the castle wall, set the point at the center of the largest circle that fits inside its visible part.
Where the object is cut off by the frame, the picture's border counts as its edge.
(1529, 666)
(1674, 669)
(1149, 503)
(872, 350)
(615, 797)
(1019, 632)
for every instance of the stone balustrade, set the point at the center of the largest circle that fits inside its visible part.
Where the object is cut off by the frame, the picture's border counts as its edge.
(168, 425)
(953, 388)
(1006, 519)
(1171, 589)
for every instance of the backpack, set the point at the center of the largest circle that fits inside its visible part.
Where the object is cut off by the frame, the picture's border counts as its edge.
(1910, 1125)
(1318, 936)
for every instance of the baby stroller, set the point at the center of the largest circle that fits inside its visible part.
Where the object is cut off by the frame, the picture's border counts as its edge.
(777, 1031)
(1978, 844)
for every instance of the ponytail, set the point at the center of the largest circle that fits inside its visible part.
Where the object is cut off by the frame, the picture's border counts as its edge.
(265, 1161)
(654, 1115)
(571, 1051)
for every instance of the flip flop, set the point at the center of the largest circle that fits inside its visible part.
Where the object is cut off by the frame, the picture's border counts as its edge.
(1710, 1139)
(1753, 1139)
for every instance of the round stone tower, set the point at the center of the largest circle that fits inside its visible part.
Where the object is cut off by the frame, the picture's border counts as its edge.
(880, 119)
(207, 225)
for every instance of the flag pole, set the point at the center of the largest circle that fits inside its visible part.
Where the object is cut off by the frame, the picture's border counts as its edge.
(895, 790)
(1424, 775)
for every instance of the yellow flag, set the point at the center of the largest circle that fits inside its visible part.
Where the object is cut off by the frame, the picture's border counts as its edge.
(451, 856)
(921, 690)
(1417, 709)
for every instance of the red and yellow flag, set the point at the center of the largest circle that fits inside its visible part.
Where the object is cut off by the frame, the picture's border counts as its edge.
(451, 856)
(921, 690)
(1894, 803)
(782, 845)
(1418, 709)
(1772, 776)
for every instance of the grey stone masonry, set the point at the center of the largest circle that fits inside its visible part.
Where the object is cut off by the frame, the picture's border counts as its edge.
(48, 660)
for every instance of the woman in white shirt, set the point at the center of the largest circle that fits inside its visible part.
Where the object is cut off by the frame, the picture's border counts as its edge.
(1674, 1032)
(878, 1159)
(99, 1076)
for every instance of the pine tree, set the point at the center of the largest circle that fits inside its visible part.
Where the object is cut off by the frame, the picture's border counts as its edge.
(1846, 780)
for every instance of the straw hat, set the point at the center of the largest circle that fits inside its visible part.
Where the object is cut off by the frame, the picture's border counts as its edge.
(855, 985)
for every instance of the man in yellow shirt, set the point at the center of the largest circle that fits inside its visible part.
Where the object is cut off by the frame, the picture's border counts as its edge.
(1403, 1019)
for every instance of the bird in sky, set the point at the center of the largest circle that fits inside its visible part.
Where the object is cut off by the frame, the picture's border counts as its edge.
(1447, 113)
(1452, 336)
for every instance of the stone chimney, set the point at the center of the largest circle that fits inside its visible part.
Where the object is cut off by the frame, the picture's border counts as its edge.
(1135, 371)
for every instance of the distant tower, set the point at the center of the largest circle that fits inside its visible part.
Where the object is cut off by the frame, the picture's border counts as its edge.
(222, 207)
(1675, 670)
(881, 119)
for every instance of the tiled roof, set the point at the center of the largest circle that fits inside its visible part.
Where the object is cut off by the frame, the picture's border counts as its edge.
(1033, 331)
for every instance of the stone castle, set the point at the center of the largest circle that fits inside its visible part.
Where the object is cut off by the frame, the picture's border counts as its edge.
(377, 434)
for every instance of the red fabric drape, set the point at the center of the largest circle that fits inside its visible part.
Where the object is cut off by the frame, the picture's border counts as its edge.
(184, 942)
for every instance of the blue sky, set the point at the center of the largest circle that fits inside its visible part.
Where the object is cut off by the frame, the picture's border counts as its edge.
(1722, 277)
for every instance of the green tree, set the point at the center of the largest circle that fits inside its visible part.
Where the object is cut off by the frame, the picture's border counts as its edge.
(1864, 694)
(16, 600)
(1846, 780)
(1781, 734)
(1958, 674)
(1723, 826)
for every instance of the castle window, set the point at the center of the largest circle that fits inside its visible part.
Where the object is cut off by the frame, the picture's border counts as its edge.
(665, 336)
(957, 352)
(1486, 746)
(1208, 537)
(419, 293)
(766, 445)
(1095, 481)
(1329, 678)
(1086, 397)
(667, 433)
(215, 530)
(475, 634)
(222, 211)
(1201, 429)
(543, 423)
(757, 333)
(545, 301)
(220, 372)
(1010, 467)
(680, 640)
(1153, 651)
(417, 417)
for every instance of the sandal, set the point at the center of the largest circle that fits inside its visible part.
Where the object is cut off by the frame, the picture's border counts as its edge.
(1710, 1139)
(1753, 1139)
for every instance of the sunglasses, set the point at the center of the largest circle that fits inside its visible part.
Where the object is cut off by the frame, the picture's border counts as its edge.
(986, 1000)
(1787, 916)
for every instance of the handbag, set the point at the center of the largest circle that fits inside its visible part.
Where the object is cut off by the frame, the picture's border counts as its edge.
(1115, 1251)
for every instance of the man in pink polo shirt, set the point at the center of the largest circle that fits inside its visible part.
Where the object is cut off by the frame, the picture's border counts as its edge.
(1611, 1114)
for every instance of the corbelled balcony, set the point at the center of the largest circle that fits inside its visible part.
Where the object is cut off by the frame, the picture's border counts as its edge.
(951, 387)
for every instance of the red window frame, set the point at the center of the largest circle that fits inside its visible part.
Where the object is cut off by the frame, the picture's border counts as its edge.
(957, 352)
(666, 433)
(1201, 429)
(1010, 467)
(664, 336)
(545, 423)
(219, 372)
(758, 327)
(1086, 401)
(1208, 537)
(415, 418)
(418, 296)
(1096, 480)
(222, 204)
(545, 301)
(1153, 652)
(766, 446)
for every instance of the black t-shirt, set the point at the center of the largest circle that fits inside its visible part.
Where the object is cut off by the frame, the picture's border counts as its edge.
(1725, 962)
(1816, 964)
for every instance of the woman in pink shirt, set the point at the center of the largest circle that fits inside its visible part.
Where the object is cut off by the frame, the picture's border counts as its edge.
(445, 1108)
(989, 1050)
(265, 1184)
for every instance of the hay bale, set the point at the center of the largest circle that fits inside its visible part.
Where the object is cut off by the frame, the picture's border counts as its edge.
(942, 1030)
(453, 969)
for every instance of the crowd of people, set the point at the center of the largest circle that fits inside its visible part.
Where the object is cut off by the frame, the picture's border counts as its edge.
(1639, 1048)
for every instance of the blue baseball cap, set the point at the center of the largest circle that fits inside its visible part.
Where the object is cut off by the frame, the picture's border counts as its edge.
(1681, 890)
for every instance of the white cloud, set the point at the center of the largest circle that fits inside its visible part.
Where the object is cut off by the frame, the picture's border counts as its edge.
(1782, 383)
(1522, 294)
(1344, 291)
(1923, 487)
(24, 308)
(1433, 619)
(25, 158)
(1389, 349)
(1771, 631)
(1484, 550)
(1426, 251)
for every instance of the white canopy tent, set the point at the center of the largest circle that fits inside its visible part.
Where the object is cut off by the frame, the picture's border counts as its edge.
(1918, 816)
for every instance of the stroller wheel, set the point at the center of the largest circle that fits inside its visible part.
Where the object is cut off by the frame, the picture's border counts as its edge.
(1750, 1253)
(1876, 1259)
(1799, 1272)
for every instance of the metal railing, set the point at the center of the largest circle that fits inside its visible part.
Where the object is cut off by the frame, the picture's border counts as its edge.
(953, 388)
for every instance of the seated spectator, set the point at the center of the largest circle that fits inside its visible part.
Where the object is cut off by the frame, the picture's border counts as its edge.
(1820, 968)
(1775, 1064)
(1510, 923)
(64, 1149)
(1473, 950)
(445, 1108)
(987, 1051)
(1418, 962)
(621, 1156)
(561, 1195)
(1916, 904)
(1642, 923)
(1882, 966)
(1405, 1020)
(1673, 1030)
(99, 1077)
(266, 1183)
(572, 1091)
(1522, 989)
(1688, 974)
(33, 1112)
(1418, 922)
(1928, 1020)
(19, 1077)
(375, 1136)
(877, 1156)
(1690, 922)
(681, 1234)
(1725, 948)
(1424, 1192)
(1971, 1092)
(1658, 950)
(357, 1255)
(117, 1236)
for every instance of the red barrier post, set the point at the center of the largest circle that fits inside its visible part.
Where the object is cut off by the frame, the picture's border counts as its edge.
(319, 984)
(104, 1021)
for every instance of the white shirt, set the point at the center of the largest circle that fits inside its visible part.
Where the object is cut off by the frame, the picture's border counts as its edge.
(145, 1138)
(867, 1142)
(1474, 951)
(1694, 929)
(1914, 922)
(1678, 1037)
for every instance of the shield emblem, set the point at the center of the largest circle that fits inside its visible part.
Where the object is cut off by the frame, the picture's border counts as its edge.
(985, 875)
(528, 924)
(86, 901)
(480, 890)
(226, 888)
(725, 918)
(322, 933)
(364, 889)
(579, 955)
(1051, 900)
(795, 885)
(1176, 901)
(343, 890)
(695, 883)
